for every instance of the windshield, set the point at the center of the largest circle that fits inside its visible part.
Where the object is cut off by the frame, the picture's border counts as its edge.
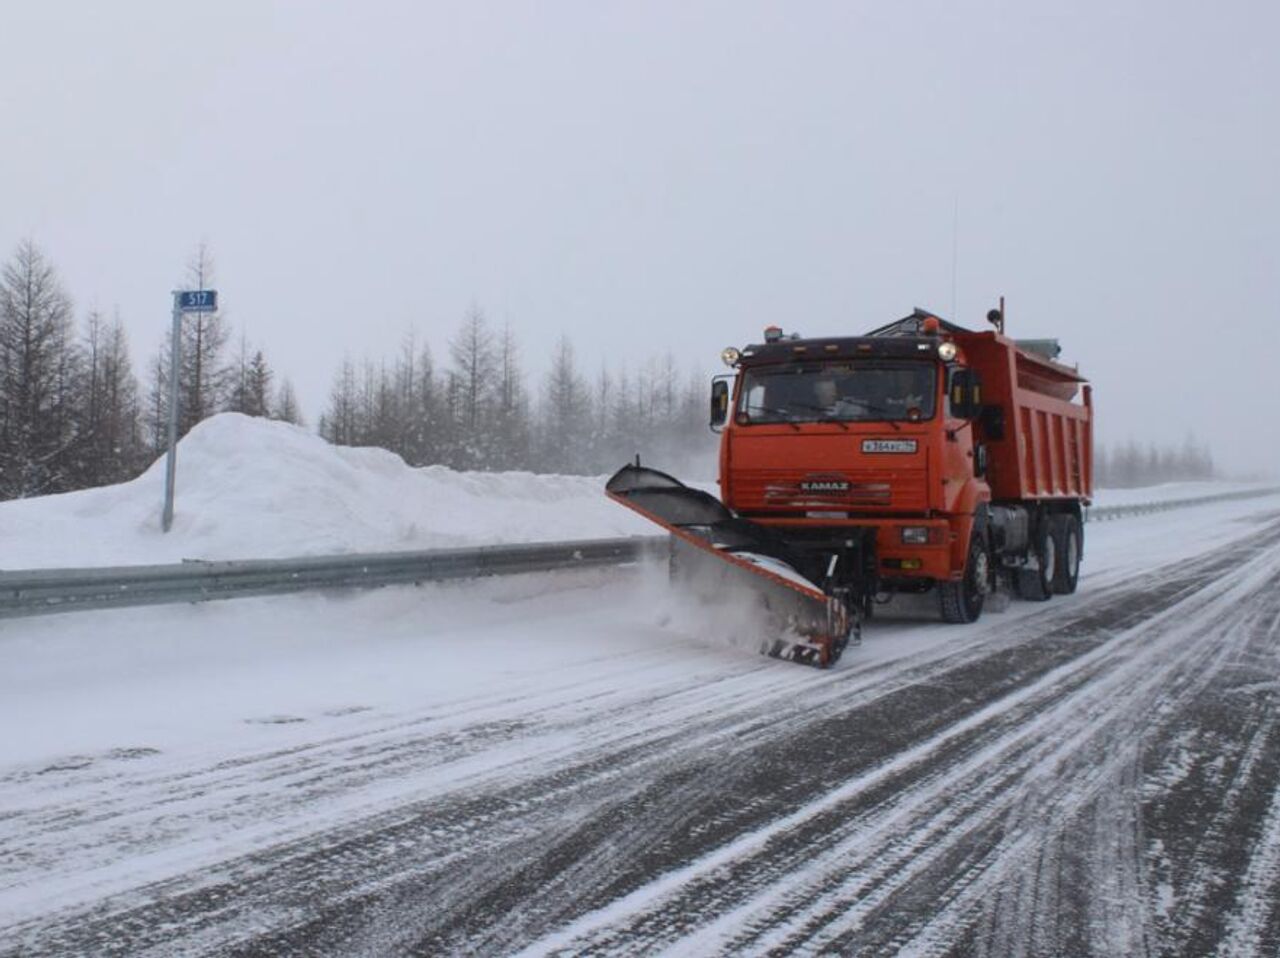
(838, 392)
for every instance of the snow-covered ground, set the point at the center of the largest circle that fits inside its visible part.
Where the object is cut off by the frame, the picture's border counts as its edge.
(153, 749)
(587, 762)
(175, 675)
(253, 489)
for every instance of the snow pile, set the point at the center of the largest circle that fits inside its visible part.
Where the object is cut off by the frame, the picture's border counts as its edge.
(250, 488)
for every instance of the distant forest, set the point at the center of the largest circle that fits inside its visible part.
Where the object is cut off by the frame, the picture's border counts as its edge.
(73, 414)
(1130, 465)
(476, 412)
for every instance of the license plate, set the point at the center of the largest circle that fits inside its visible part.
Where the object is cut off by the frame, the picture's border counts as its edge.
(889, 445)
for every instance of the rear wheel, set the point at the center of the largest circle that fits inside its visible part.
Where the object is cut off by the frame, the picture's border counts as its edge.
(1067, 561)
(962, 601)
(1036, 584)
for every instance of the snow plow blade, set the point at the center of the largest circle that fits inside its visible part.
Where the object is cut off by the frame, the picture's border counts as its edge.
(718, 552)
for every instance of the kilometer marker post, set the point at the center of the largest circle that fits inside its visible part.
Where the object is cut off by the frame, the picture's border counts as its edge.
(184, 301)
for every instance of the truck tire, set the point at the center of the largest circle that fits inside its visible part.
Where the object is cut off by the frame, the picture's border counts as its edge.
(1036, 585)
(962, 601)
(1066, 529)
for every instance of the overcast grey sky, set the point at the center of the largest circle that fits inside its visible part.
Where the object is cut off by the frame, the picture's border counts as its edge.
(647, 176)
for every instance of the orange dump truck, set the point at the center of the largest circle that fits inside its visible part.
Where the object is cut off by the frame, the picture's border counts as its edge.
(919, 457)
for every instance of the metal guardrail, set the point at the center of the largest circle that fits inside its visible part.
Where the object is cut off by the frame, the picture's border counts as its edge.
(1104, 513)
(44, 591)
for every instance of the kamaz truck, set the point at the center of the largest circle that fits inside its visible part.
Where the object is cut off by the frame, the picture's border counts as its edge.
(920, 457)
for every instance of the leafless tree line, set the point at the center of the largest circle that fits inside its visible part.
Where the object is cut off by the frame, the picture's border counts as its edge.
(478, 412)
(72, 413)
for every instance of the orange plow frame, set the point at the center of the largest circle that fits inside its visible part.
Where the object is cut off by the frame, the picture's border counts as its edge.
(815, 626)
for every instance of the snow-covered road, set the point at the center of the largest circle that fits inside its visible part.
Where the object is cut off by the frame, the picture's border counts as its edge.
(582, 763)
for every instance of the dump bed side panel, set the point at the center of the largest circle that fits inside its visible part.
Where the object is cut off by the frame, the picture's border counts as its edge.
(1046, 451)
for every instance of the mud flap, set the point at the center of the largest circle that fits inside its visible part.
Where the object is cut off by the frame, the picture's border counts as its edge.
(716, 551)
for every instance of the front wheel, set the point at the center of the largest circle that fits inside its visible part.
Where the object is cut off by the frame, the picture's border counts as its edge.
(962, 601)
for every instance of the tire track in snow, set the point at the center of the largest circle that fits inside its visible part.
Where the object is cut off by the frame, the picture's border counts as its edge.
(108, 816)
(659, 838)
(1104, 845)
(1257, 911)
(1214, 824)
(526, 846)
(1173, 587)
(896, 840)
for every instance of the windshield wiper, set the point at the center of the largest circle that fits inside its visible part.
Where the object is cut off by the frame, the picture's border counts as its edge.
(825, 415)
(874, 410)
(881, 411)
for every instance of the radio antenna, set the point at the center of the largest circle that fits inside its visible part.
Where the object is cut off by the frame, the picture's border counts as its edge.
(955, 254)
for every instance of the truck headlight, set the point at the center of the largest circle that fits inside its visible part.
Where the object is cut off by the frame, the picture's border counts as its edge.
(915, 535)
(730, 356)
(946, 351)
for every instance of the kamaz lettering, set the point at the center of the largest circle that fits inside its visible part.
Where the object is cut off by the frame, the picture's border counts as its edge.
(825, 485)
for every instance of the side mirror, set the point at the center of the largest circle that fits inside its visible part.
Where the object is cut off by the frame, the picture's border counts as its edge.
(719, 402)
(966, 394)
(992, 419)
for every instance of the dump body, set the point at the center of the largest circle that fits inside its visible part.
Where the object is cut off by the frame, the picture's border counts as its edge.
(1045, 450)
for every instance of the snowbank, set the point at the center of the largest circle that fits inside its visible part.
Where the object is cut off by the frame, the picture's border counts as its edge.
(250, 488)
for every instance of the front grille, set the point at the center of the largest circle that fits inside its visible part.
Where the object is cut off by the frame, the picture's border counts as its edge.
(857, 493)
(782, 490)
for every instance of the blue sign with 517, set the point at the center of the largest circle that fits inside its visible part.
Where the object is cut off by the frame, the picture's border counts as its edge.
(198, 301)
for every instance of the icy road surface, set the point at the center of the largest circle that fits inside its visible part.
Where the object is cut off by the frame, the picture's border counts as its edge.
(577, 764)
